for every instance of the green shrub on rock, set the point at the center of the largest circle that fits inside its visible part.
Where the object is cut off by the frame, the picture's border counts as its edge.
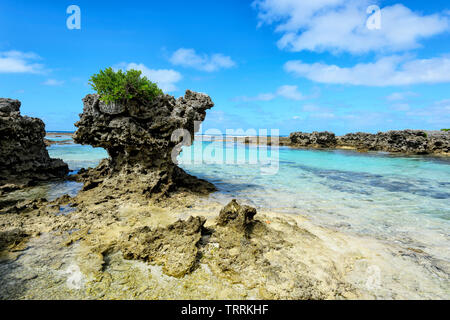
(119, 86)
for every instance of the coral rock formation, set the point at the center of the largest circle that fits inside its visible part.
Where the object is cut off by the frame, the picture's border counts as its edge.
(24, 159)
(174, 247)
(236, 216)
(313, 140)
(140, 141)
(405, 141)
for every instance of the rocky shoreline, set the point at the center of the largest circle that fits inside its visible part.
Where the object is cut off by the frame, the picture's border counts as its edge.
(418, 142)
(126, 246)
(142, 228)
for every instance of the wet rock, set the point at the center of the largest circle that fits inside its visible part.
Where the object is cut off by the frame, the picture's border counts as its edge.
(175, 247)
(140, 142)
(63, 200)
(313, 140)
(24, 159)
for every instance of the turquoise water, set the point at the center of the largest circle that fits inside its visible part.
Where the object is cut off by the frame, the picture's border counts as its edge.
(61, 137)
(404, 200)
(78, 156)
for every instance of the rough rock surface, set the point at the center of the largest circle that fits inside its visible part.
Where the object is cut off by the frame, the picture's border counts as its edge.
(11, 238)
(54, 253)
(236, 216)
(314, 140)
(174, 247)
(404, 141)
(237, 248)
(140, 142)
(24, 159)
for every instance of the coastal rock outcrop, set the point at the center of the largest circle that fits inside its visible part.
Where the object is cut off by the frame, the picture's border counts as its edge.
(403, 141)
(239, 217)
(24, 159)
(313, 140)
(142, 140)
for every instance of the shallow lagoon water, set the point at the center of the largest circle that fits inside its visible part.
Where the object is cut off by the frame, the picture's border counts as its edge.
(404, 200)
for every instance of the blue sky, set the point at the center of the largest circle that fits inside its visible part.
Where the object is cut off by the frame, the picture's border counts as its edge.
(277, 64)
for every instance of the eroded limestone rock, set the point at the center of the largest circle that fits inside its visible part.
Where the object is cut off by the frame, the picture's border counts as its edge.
(174, 247)
(313, 140)
(404, 141)
(9, 239)
(236, 216)
(24, 159)
(140, 142)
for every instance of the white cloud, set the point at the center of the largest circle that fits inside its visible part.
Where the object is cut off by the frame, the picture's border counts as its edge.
(323, 115)
(399, 96)
(165, 78)
(259, 97)
(437, 114)
(290, 92)
(340, 25)
(310, 108)
(189, 58)
(53, 82)
(318, 112)
(287, 91)
(400, 107)
(19, 62)
(387, 71)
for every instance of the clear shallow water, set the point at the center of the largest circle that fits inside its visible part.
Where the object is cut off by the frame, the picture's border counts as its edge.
(403, 200)
(77, 156)
(61, 137)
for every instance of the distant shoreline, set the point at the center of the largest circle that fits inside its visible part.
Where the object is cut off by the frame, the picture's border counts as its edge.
(360, 142)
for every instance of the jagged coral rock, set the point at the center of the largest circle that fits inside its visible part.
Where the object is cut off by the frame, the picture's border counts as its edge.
(24, 159)
(236, 216)
(246, 250)
(174, 247)
(140, 142)
(403, 141)
(12, 238)
(314, 140)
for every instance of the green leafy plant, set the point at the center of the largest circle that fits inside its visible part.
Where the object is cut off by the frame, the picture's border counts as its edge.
(122, 87)
(445, 130)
